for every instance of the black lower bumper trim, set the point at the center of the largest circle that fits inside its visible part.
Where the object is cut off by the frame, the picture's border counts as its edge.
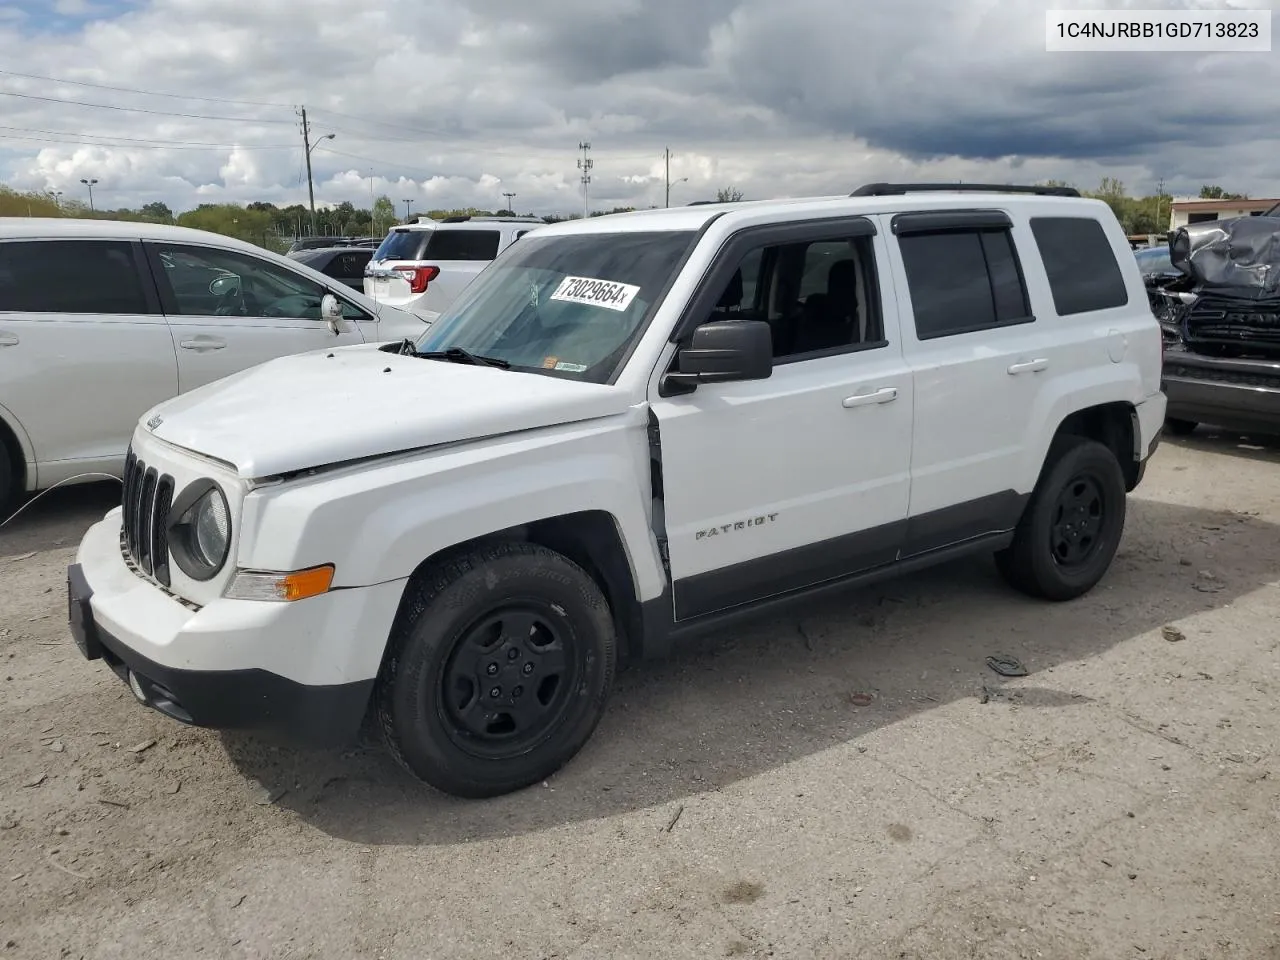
(252, 700)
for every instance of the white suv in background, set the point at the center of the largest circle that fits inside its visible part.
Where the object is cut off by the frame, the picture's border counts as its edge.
(423, 266)
(101, 320)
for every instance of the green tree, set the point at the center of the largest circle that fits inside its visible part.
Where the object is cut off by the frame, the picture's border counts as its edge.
(1214, 192)
(157, 211)
(384, 214)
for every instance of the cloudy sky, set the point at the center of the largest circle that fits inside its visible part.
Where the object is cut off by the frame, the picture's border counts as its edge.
(452, 102)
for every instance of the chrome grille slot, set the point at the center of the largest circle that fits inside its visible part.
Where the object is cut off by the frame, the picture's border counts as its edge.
(146, 508)
(160, 529)
(146, 504)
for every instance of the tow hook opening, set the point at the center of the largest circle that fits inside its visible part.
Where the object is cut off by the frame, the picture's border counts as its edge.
(157, 697)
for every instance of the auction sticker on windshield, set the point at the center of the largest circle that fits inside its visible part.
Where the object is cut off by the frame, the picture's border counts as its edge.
(596, 293)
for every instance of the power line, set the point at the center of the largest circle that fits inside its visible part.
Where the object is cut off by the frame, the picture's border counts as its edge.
(145, 93)
(129, 141)
(162, 113)
(137, 146)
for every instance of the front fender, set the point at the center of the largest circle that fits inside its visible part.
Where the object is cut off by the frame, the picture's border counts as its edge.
(379, 521)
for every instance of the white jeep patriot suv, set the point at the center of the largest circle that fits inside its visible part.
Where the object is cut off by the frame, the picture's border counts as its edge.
(628, 429)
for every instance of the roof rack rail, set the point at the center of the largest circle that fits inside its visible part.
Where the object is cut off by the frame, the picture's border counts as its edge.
(895, 189)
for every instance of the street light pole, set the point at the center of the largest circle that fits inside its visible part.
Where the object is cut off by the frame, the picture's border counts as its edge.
(89, 184)
(510, 197)
(407, 204)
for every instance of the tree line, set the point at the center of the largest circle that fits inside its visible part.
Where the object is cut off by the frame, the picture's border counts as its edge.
(1139, 215)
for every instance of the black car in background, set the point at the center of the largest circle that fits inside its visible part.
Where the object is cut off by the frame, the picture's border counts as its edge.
(345, 264)
(320, 243)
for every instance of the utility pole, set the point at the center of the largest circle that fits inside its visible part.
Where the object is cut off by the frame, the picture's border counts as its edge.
(311, 188)
(510, 197)
(309, 146)
(667, 156)
(1159, 200)
(585, 164)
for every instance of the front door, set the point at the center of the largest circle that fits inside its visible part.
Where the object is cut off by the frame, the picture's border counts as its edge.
(775, 485)
(229, 311)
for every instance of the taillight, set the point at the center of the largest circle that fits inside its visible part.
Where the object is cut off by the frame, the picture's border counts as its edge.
(418, 277)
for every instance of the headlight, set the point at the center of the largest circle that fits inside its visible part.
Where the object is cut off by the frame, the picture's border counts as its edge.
(200, 537)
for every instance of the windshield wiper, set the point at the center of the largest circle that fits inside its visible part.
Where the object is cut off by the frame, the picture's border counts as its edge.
(458, 355)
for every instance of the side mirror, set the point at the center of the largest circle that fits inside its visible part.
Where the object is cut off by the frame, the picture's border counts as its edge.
(331, 313)
(723, 351)
(225, 286)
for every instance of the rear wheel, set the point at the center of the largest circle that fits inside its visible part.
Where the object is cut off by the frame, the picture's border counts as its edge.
(498, 672)
(1181, 428)
(1071, 529)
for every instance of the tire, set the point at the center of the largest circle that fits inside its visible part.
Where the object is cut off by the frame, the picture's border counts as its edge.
(1181, 428)
(1053, 561)
(8, 483)
(464, 628)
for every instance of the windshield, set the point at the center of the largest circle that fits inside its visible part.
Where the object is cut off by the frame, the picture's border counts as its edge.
(1155, 260)
(567, 306)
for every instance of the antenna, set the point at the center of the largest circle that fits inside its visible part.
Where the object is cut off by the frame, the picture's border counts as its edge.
(585, 163)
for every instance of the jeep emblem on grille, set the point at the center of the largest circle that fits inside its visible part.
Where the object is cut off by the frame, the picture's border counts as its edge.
(155, 422)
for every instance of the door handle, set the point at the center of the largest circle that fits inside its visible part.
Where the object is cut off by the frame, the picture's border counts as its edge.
(202, 343)
(1029, 366)
(883, 395)
(8, 339)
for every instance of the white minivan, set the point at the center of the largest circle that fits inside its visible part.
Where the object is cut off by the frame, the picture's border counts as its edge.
(423, 266)
(100, 320)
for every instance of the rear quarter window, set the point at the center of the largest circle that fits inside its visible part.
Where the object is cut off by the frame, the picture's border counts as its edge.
(449, 244)
(402, 244)
(1084, 275)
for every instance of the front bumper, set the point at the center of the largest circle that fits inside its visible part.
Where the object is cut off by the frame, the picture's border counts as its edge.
(1227, 392)
(301, 671)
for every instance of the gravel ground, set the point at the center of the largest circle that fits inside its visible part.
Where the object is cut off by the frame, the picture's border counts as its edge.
(852, 782)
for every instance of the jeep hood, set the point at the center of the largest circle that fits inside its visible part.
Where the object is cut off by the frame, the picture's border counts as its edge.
(326, 407)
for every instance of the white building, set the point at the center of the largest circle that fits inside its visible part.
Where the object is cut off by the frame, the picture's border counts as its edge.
(1202, 211)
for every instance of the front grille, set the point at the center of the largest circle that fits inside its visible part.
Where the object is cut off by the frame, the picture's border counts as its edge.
(147, 499)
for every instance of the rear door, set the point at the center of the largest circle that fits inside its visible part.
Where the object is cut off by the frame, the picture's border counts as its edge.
(84, 349)
(229, 310)
(980, 360)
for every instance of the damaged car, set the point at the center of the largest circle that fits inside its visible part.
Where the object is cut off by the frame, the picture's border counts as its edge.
(1220, 318)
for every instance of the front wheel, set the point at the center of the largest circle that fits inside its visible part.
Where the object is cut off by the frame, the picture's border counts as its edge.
(498, 672)
(1071, 529)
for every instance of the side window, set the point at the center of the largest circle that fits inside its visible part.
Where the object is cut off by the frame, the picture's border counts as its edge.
(205, 282)
(819, 298)
(1082, 268)
(104, 277)
(963, 281)
(448, 244)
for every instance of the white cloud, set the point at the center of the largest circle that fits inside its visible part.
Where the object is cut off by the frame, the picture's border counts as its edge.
(453, 102)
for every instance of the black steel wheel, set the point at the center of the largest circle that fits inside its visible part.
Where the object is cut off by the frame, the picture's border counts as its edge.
(509, 679)
(1071, 528)
(498, 670)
